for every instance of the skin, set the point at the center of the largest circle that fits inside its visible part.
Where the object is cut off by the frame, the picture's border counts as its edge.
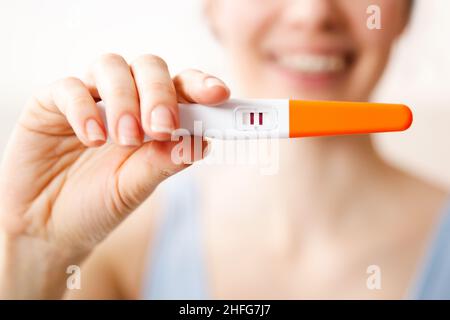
(304, 247)
(52, 156)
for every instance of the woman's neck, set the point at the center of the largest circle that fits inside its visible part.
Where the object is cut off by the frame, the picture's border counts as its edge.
(327, 176)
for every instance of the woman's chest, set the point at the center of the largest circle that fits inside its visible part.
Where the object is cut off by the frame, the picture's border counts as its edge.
(252, 250)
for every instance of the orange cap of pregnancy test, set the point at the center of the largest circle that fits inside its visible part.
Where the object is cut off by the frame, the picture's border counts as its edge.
(320, 118)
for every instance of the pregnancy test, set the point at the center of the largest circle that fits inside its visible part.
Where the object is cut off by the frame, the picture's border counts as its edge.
(283, 118)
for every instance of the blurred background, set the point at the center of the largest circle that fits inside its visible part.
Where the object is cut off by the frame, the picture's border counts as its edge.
(43, 40)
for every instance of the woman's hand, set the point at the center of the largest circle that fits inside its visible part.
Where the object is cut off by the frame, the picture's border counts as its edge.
(62, 187)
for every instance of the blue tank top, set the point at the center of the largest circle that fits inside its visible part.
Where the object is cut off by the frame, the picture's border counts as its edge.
(176, 268)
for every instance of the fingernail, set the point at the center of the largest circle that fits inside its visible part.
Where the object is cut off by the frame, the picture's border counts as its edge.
(206, 148)
(94, 132)
(214, 82)
(162, 120)
(128, 131)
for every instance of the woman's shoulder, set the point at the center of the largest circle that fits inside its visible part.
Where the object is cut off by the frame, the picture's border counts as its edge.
(433, 280)
(424, 195)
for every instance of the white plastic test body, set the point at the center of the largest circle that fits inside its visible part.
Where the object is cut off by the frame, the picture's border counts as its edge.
(234, 119)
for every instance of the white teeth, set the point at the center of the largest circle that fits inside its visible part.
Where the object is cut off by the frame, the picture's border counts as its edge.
(309, 63)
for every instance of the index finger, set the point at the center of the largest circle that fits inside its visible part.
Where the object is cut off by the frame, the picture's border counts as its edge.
(194, 86)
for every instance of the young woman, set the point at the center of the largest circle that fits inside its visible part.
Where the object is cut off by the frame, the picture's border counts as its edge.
(334, 216)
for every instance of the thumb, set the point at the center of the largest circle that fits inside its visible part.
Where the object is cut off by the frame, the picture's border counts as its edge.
(151, 164)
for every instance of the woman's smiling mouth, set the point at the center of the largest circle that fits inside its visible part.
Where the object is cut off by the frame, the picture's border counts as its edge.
(313, 63)
(312, 70)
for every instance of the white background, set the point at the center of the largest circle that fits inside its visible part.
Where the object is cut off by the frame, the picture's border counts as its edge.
(43, 40)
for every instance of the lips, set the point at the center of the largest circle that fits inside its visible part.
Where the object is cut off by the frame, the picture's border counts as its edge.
(311, 68)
